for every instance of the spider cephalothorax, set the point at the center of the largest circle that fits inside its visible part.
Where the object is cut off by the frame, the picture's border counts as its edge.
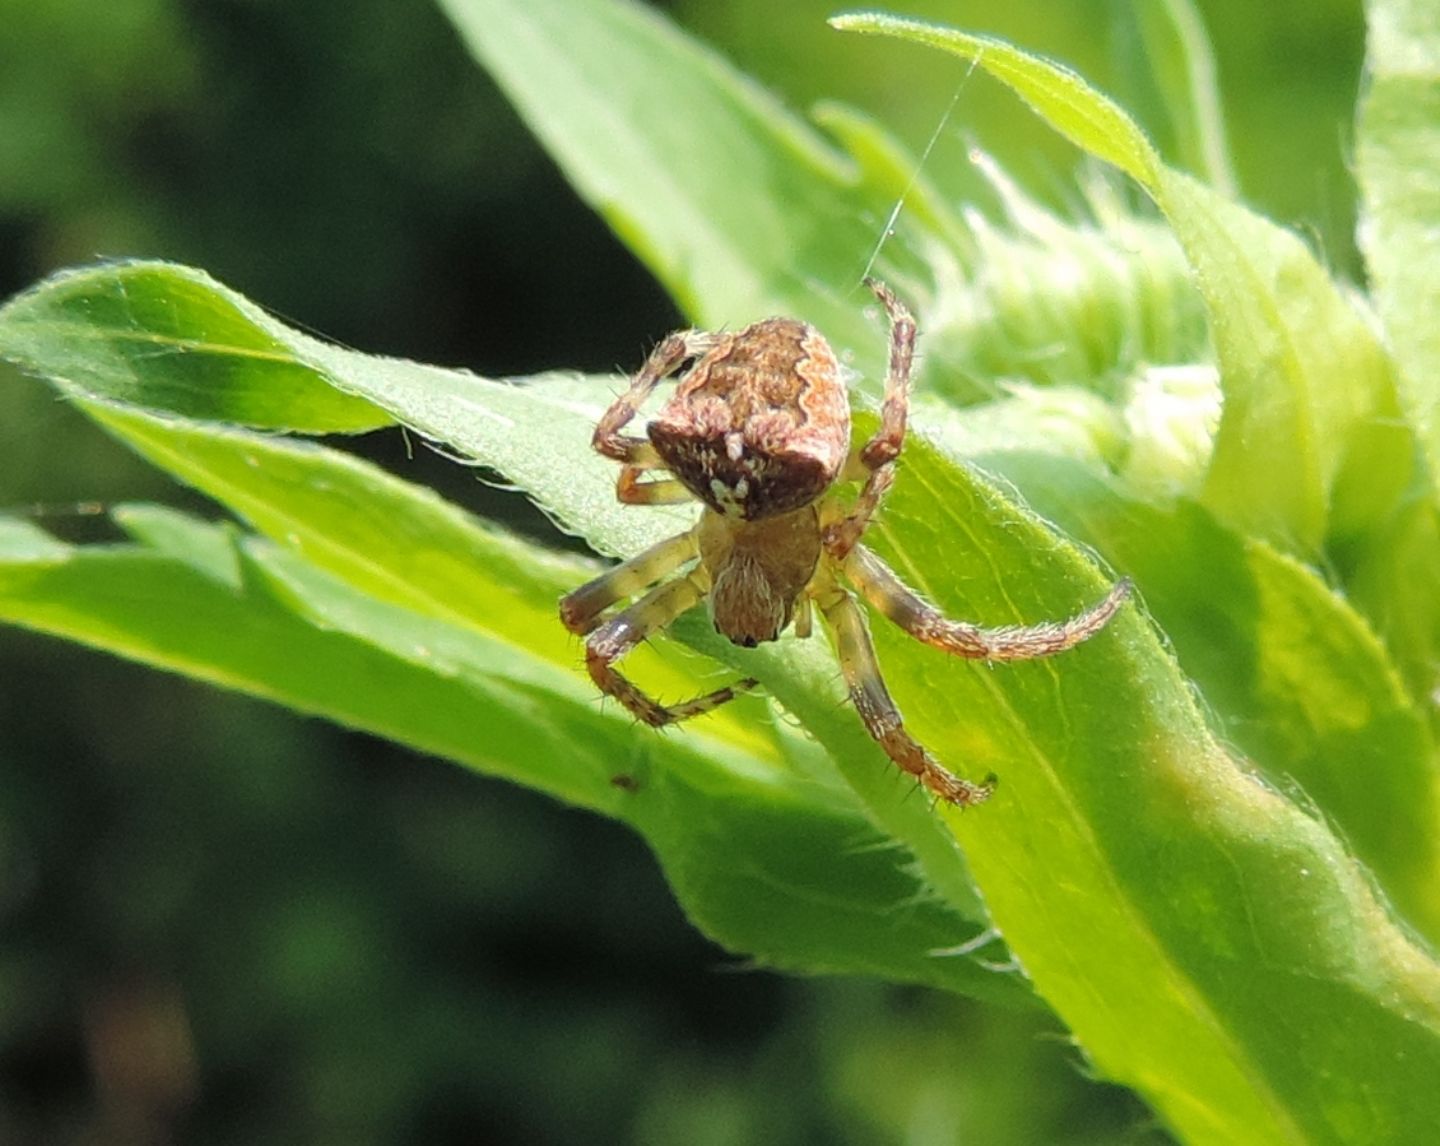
(758, 431)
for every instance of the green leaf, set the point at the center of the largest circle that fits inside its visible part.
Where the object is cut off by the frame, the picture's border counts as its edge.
(1191, 923)
(757, 858)
(1311, 443)
(1245, 926)
(1172, 33)
(1312, 446)
(742, 210)
(1290, 673)
(1393, 582)
(242, 632)
(1057, 94)
(1313, 452)
(1397, 158)
(738, 206)
(408, 552)
(173, 342)
(393, 541)
(537, 434)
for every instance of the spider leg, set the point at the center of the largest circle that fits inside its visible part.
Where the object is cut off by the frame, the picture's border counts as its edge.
(874, 461)
(630, 490)
(882, 719)
(884, 446)
(880, 586)
(664, 360)
(620, 634)
(804, 618)
(580, 610)
(840, 537)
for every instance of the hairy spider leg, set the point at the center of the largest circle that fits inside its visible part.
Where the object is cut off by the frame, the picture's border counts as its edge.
(875, 461)
(876, 708)
(637, 454)
(879, 584)
(580, 610)
(664, 360)
(842, 536)
(623, 632)
(884, 447)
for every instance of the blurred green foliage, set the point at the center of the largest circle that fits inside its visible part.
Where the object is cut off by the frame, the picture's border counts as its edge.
(224, 925)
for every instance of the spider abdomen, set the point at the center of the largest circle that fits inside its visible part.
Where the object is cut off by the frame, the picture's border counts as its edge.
(760, 424)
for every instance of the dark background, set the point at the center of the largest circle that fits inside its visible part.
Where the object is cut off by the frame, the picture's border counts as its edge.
(220, 923)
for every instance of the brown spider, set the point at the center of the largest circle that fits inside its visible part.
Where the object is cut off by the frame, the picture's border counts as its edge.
(759, 431)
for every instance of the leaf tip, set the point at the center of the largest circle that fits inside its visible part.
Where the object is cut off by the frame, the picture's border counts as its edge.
(857, 21)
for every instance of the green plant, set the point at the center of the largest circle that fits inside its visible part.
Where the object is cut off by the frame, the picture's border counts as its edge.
(1214, 850)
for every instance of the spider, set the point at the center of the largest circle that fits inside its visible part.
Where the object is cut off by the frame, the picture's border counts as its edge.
(758, 430)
